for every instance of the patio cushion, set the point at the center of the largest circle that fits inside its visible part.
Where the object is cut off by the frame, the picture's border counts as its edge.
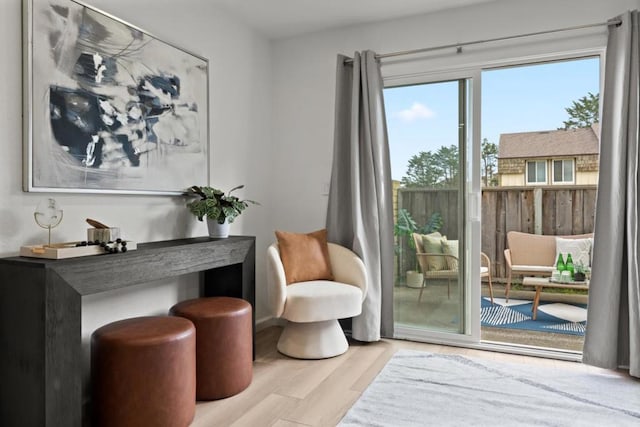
(441, 274)
(580, 250)
(321, 300)
(432, 244)
(535, 249)
(450, 247)
(533, 268)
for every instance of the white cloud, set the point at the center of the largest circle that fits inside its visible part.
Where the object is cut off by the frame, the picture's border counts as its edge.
(417, 111)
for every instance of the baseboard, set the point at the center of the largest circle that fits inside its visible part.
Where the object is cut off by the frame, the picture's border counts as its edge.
(267, 322)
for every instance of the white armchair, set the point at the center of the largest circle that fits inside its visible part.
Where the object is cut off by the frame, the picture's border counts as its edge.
(312, 308)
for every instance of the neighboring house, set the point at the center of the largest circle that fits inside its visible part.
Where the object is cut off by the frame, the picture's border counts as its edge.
(556, 157)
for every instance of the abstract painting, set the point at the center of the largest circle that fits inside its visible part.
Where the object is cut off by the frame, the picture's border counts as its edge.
(108, 107)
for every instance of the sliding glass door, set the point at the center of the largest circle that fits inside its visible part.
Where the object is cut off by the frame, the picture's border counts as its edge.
(430, 147)
(533, 169)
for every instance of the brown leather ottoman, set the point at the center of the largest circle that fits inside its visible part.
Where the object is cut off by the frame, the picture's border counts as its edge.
(143, 372)
(224, 349)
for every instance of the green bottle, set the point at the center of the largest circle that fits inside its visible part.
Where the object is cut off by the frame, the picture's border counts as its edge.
(569, 265)
(560, 266)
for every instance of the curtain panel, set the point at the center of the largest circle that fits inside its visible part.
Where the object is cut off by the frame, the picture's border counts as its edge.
(360, 207)
(613, 332)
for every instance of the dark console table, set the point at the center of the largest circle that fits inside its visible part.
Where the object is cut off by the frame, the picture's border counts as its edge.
(40, 315)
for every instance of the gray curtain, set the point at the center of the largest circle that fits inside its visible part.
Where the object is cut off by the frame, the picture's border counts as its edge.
(613, 332)
(360, 212)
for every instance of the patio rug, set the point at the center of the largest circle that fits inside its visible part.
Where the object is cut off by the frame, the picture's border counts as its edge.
(552, 317)
(423, 389)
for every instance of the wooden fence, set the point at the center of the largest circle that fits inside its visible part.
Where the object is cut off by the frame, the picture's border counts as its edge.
(551, 210)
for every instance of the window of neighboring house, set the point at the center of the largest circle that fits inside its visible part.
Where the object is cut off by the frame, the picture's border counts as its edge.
(563, 171)
(537, 172)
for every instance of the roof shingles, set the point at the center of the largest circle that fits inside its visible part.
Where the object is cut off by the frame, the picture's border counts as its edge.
(553, 143)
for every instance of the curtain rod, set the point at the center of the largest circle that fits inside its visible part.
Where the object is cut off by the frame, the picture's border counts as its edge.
(459, 46)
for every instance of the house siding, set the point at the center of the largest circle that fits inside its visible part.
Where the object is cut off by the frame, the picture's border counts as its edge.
(511, 180)
(512, 171)
(511, 166)
(589, 163)
(587, 178)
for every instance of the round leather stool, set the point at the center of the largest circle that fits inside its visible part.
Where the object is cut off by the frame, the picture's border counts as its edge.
(143, 372)
(224, 344)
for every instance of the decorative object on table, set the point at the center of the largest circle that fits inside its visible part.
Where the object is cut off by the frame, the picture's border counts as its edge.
(569, 266)
(219, 208)
(75, 249)
(101, 232)
(108, 107)
(108, 238)
(560, 265)
(48, 215)
(579, 273)
(100, 240)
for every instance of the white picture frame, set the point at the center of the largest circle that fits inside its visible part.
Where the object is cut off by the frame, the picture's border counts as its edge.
(108, 107)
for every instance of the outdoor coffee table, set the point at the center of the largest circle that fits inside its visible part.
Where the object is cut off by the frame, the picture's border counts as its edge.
(542, 282)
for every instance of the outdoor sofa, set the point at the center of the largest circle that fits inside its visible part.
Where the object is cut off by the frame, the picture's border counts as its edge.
(535, 254)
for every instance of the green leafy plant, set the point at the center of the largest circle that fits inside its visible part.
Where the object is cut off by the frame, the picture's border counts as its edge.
(580, 272)
(405, 226)
(579, 268)
(216, 205)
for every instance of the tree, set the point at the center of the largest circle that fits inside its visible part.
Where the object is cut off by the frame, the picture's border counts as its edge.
(420, 171)
(448, 165)
(583, 112)
(489, 156)
(428, 169)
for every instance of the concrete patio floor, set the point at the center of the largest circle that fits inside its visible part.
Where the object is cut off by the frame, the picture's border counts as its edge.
(442, 313)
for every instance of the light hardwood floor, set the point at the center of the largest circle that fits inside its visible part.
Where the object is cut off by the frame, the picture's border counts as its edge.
(288, 392)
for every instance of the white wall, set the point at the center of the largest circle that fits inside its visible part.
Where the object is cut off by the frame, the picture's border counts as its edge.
(304, 78)
(240, 65)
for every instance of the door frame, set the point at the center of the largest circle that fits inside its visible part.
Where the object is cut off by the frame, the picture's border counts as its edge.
(469, 205)
(400, 75)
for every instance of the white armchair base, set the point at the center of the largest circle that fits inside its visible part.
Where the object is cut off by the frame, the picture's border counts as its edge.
(313, 340)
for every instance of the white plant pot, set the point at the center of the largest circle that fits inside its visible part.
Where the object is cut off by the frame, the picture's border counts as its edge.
(218, 230)
(414, 279)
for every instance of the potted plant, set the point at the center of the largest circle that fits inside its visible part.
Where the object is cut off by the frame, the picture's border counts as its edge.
(579, 272)
(405, 226)
(219, 208)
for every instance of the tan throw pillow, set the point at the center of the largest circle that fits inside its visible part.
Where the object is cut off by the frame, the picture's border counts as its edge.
(420, 241)
(433, 245)
(450, 247)
(304, 256)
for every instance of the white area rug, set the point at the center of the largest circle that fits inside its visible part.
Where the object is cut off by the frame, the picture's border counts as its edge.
(423, 389)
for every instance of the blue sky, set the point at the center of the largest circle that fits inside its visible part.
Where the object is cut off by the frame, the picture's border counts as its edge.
(515, 99)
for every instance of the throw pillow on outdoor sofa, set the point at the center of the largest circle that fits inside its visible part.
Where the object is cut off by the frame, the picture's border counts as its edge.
(580, 250)
(432, 244)
(450, 247)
